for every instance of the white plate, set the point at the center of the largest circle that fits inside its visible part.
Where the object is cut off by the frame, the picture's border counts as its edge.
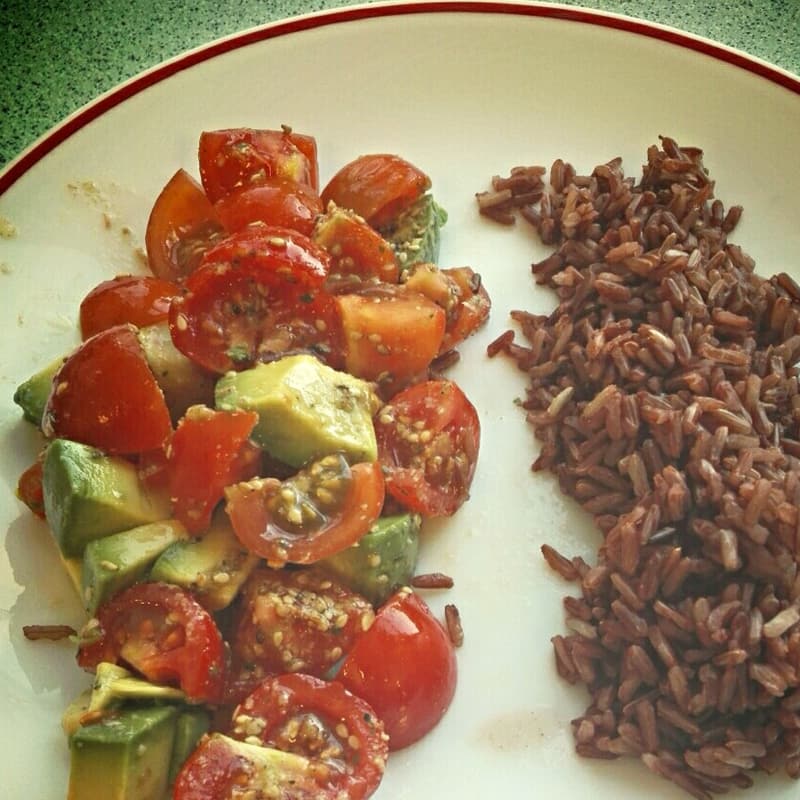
(464, 91)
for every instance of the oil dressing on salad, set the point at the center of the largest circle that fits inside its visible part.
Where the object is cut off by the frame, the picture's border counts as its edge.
(237, 464)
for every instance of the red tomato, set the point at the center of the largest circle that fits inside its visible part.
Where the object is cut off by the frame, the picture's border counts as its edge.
(378, 187)
(139, 299)
(326, 507)
(460, 292)
(337, 731)
(256, 296)
(105, 395)
(355, 247)
(428, 441)
(163, 633)
(275, 201)
(181, 227)
(295, 621)
(29, 488)
(390, 334)
(209, 451)
(404, 666)
(239, 157)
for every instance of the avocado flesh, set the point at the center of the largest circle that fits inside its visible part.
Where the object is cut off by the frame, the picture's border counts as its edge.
(116, 562)
(306, 409)
(382, 560)
(124, 756)
(213, 566)
(88, 495)
(415, 235)
(31, 395)
(190, 726)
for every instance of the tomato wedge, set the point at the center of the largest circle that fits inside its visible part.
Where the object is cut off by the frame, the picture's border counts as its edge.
(324, 508)
(209, 451)
(428, 442)
(105, 395)
(404, 666)
(29, 488)
(163, 633)
(378, 187)
(337, 731)
(138, 299)
(256, 296)
(181, 227)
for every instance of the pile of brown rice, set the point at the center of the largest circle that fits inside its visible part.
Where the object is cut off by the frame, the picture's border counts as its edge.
(664, 394)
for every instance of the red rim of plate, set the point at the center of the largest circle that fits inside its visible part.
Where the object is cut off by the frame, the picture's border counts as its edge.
(83, 116)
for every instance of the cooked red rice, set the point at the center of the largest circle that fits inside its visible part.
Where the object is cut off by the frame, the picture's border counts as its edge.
(664, 392)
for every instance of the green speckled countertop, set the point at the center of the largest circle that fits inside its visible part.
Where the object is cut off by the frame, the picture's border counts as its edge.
(59, 55)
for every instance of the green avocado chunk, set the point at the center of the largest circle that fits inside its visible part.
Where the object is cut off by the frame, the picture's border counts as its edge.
(382, 560)
(116, 562)
(306, 409)
(126, 755)
(88, 494)
(213, 566)
(416, 233)
(191, 724)
(31, 396)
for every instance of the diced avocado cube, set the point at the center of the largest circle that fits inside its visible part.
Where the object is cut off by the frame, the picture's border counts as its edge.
(182, 381)
(31, 396)
(74, 567)
(416, 233)
(88, 494)
(213, 566)
(114, 685)
(190, 726)
(306, 409)
(126, 755)
(382, 560)
(116, 562)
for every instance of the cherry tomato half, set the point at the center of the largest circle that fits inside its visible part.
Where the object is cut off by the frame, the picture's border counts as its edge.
(29, 488)
(326, 507)
(209, 451)
(181, 227)
(404, 666)
(105, 395)
(378, 187)
(428, 441)
(138, 299)
(163, 633)
(337, 731)
(256, 296)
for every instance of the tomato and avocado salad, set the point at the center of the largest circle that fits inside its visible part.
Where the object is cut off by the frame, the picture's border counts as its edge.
(237, 464)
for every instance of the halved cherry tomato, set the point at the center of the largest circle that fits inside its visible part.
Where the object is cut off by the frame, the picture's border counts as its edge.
(238, 157)
(181, 227)
(209, 451)
(378, 187)
(390, 334)
(274, 201)
(105, 395)
(295, 621)
(257, 295)
(139, 299)
(337, 731)
(355, 247)
(326, 507)
(164, 634)
(404, 666)
(460, 292)
(29, 488)
(428, 441)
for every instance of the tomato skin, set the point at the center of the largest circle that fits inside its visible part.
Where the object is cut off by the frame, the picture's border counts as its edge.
(29, 488)
(447, 446)
(260, 517)
(256, 296)
(208, 451)
(181, 227)
(275, 201)
(105, 395)
(405, 667)
(238, 157)
(378, 187)
(137, 299)
(162, 632)
(281, 701)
